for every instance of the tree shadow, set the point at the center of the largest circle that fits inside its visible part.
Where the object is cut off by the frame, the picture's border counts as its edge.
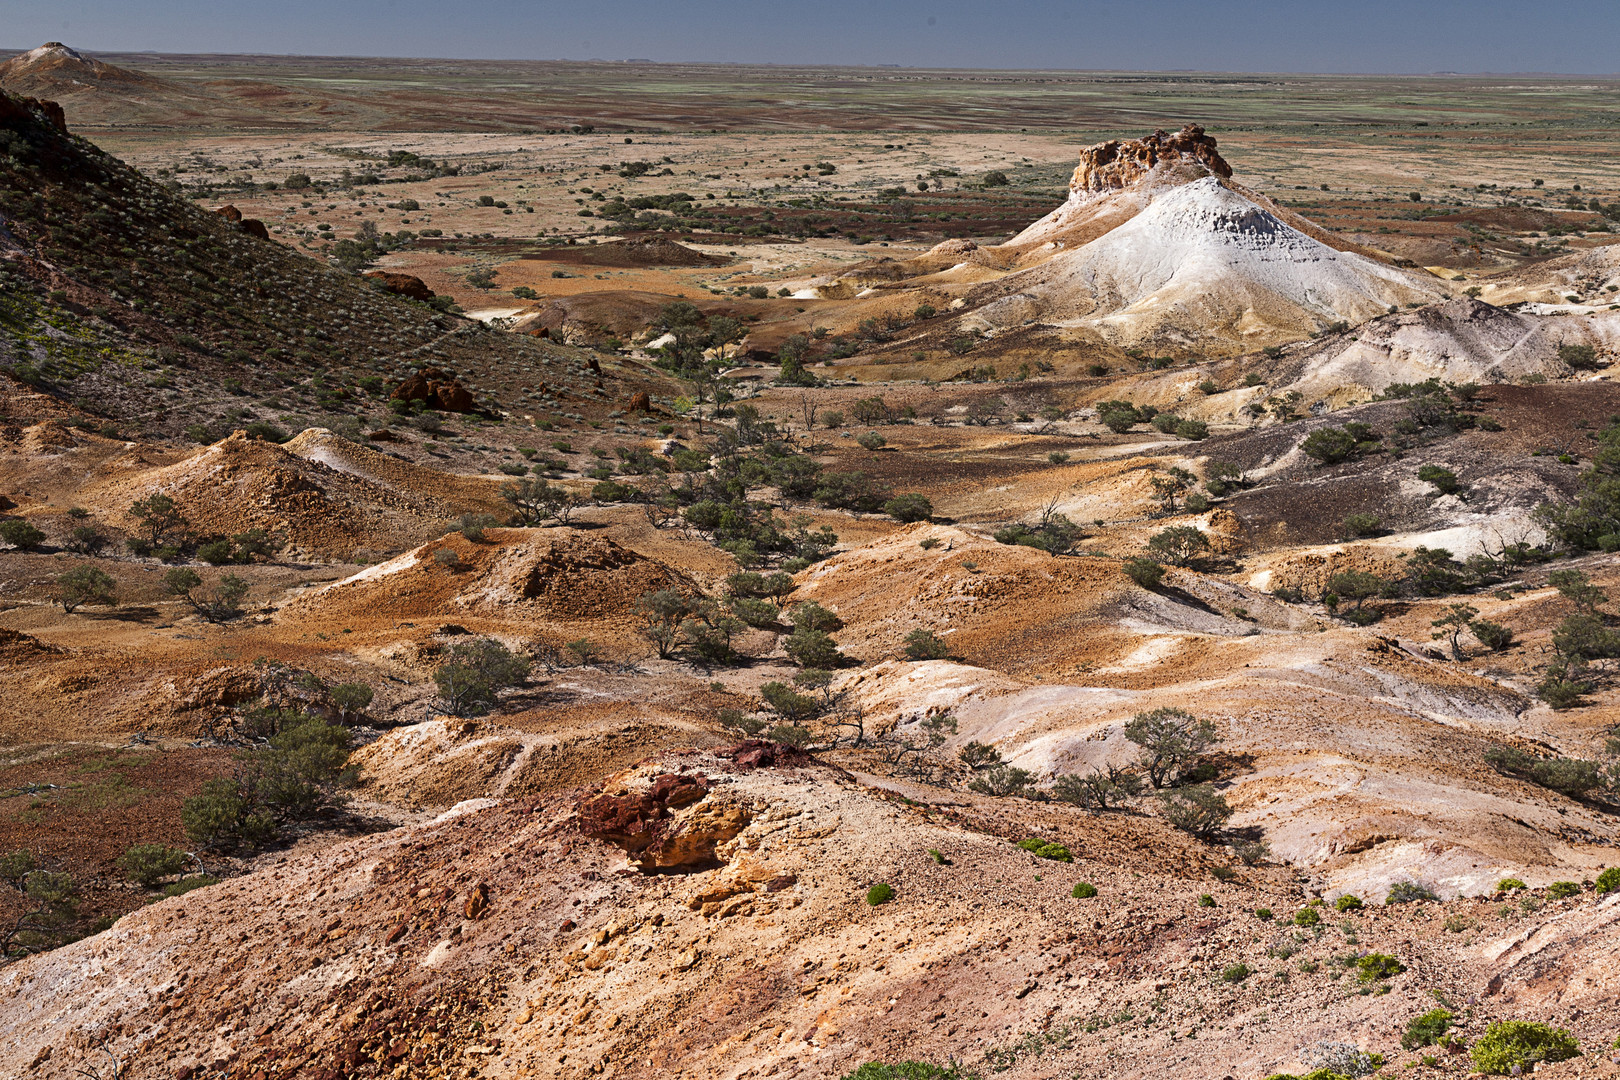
(123, 614)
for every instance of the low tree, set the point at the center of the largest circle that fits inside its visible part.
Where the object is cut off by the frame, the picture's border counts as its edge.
(1199, 810)
(1171, 740)
(159, 516)
(534, 501)
(1002, 780)
(662, 613)
(909, 507)
(1451, 626)
(47, 912)
(1145, 572)
(474, 672)
(220, 604)
(1575, 586)
(926, 645)
(1102, 788)
(351, 699)
(1179, 544)
(85, 585)
(147, 864)
(20, 534)
(1119, 416)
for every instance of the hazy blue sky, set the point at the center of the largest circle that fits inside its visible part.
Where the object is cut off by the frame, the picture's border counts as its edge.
(1580, 36)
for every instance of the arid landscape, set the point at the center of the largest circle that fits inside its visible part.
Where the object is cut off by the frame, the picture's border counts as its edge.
(650, 570)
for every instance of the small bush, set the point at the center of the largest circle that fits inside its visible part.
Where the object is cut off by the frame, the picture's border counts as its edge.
(938, 857)
(1235, 973)
(185, 885)
(1263, 914)
(1443, 481)
(926, 645)
(907, 1070)
(1356, 525)
(1407, 892)
(1348, 902)
(1609, 880)
(909, 508)
(1510, 883)
(144, 864)
(19, 534)
(1307, 917)
(1145, 572)
(880, 893)
(1507, 1043)
(871, 440)
(1426, 1030)
(1206, 900)
(1563, 890)
(1199, 810)
(1084, 891)
(1375, 966)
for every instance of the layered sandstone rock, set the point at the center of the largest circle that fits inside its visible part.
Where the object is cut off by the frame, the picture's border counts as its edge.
(440, 389)
(1117, 164)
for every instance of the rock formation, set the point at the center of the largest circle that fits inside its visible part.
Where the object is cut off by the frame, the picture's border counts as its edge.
(1116, 164)
(438, 388)
(251, 226)
(406, 285)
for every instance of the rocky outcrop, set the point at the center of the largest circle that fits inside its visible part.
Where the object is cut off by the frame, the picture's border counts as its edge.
(406, 285)
(15, 109)
(438, 388)
(1116, 164)
(645, 826)
(251, 226)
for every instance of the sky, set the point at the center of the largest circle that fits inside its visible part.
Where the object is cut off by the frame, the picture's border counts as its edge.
(1372, 36)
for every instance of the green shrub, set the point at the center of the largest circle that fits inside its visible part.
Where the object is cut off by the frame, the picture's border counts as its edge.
(926, 645)
(220, 816)
(1510, 883)
(1563, 890)
(1199, 810)
(1206, 900)
(881, 893)
(1363, 524)
(1426, 1030)
(185, 885)
(85, 585)
(1084, 891)
(907, 1070)
(938, 857)
(1609, 880)
(1507, 1043)
(1348, 902)
(1235, 973)
(19, 534)
(1306, 917)
(1407, 892)
(1145, 572)
(909, 508)
(1375, 966)
(474, 672)
(1055, 852)
(1263, 914)
(144, 864)
(1442, 480)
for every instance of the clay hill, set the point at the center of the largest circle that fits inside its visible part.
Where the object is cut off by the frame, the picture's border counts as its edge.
(53, 70)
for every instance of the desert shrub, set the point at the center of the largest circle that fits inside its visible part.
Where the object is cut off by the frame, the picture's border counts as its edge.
(1375, 966)
(1510, 1043)
(1206, 900)
(938, 857)
(871, 440)
(1145, 572)
(790, 735)
(1170, 740)
(1363, 525)
(447, 558)
(1409, 892)
(1510, 883)
(1045, 849)
(907, 1070)
(1054, 533)
(1002, 780)
(1263, 914)
(1609, 880)
(1567, 776)
(756, 613)
(1195, 430)
(221, 816)
(811, 648)
(926, 645)
(1563, 890)
(909, 508)
(1199, 810)
(1197, 503)
(472, 526)
(1330, 446)
(475, 671)
(1100, 789)
(86, 540)
(215, 552)
(1179, 545)
(881, 893)
(220, 604)
(1579, 357)
(1251, 852)
(1426, 1030)
(1494, 636)
(1119, 416)
(145, 864)
(1348, 902)
(20, 534)
(1442, 480)
(1235, 973)
(1308, 916)
(85, 585)
(1085, 890)
(187, 884)
(351, 698)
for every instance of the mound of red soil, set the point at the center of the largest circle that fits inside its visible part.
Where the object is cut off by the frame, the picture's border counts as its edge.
(407, 285)
(19, 648)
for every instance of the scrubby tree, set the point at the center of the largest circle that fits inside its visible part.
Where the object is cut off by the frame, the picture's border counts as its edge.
(351, 698)
(160, 516)
(1171, 740)
(220, 604)
(475, 671)
(47, 909)
(1002, 780)
(1102, 788)
(1179, 544)
(1199, 810)
(1458, 618)
(85, 585)
(661, 613)
(147, 864)
(909, 507)
(926, 645)
(20, 534)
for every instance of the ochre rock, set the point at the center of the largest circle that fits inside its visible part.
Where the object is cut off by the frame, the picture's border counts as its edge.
(254, 227)
(1116, 164)
(407, 285)
(641, 402)
(25, 108)
(440, 389)
(653, 837)
(228, 212)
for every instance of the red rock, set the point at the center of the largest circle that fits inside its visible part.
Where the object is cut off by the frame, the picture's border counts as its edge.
(440, 389)
(764, 754)
(1115, 164)
(407, 285)
(641, 402)
(674, 790)
(254, 227)
(228, 212)
(632, 822)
